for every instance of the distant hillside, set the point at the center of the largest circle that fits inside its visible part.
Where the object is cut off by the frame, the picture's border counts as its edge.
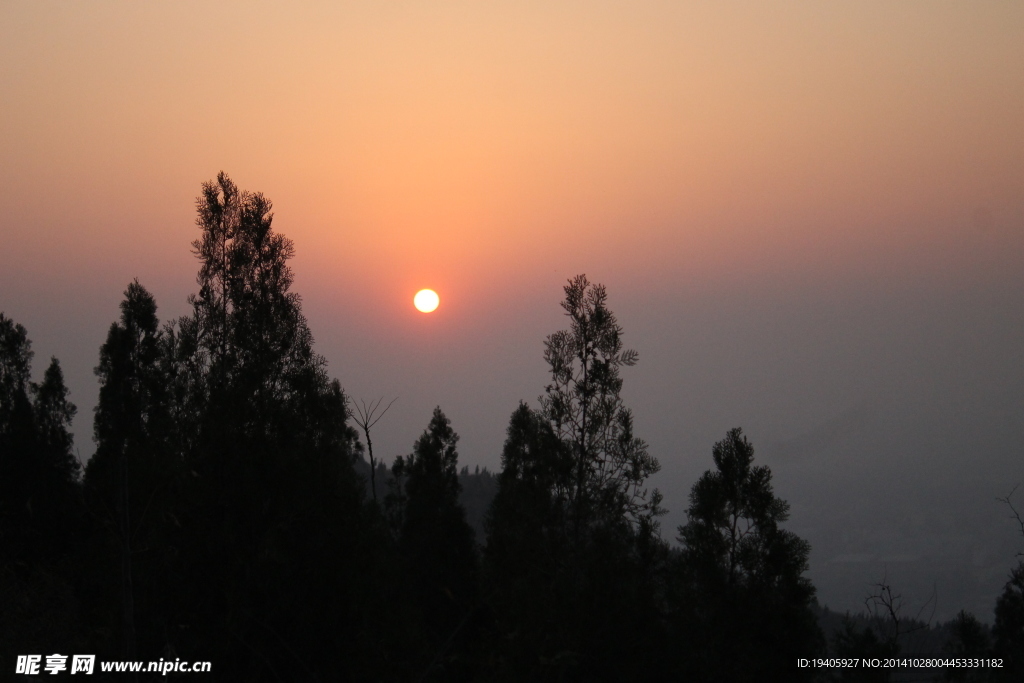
(480, 485)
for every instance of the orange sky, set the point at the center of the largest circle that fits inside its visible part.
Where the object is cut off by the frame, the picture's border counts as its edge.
(712, 163)
(464, 137)
(490, 150)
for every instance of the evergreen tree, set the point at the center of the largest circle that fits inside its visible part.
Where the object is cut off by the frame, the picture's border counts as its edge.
(15, 369)
(1008, 630)
(527, 538)
(969, 640)
(41, 516)
(130, 480)
(585, 409)
(53, 415)
(573, 558)
(40, 505)
(746, 605)
(17, 441)
(437, 546)
(279, 551)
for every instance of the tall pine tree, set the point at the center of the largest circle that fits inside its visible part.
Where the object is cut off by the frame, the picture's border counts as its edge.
(436, 544)
(40, 506)
(42, 520)
(278, 548)
(573, 556)
(131, 480)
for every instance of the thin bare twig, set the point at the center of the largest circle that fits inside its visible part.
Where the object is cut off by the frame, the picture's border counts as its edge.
(1015, 512)
(366, 416)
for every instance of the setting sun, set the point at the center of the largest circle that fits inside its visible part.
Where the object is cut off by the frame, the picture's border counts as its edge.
(710, 264)
(426, 300)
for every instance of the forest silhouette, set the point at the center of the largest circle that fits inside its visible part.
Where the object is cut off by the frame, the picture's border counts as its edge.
(228, 515)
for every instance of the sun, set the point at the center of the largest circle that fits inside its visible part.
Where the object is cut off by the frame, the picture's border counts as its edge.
(426, 300)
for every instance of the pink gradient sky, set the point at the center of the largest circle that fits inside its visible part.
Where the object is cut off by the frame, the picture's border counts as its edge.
(797, 207)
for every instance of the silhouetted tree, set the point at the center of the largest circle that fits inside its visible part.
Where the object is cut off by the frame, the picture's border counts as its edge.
(573, 558)
(128, 482)
(227, 522)
(746, 603)
(39, 494)
(280, 554)
(885, 608)
(1008, 630)
(970, 639)
(583, 404)
(437, 545)
(18, 441)
(864, 642)
(527, 538)
(54, 413)
(15, 370)
(478, 490)
(41, 516)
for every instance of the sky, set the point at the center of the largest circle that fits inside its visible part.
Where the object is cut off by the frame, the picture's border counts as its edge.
(809, 217)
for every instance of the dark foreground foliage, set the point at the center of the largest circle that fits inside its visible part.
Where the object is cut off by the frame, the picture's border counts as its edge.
(225, 514)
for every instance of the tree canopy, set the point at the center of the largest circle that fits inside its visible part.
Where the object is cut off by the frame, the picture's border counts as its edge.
(569, 567)
(745, 599)
(584, 406)
(223, 516)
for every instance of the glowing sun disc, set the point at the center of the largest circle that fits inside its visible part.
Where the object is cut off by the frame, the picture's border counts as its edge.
(426, 300)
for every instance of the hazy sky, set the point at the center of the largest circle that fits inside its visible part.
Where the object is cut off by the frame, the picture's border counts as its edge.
(809, 217)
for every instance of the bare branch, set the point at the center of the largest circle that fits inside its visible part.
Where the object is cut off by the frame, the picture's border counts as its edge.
(888, 603)
(886, 606)
(1015, 512)
(933, 600)
(367, 416)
